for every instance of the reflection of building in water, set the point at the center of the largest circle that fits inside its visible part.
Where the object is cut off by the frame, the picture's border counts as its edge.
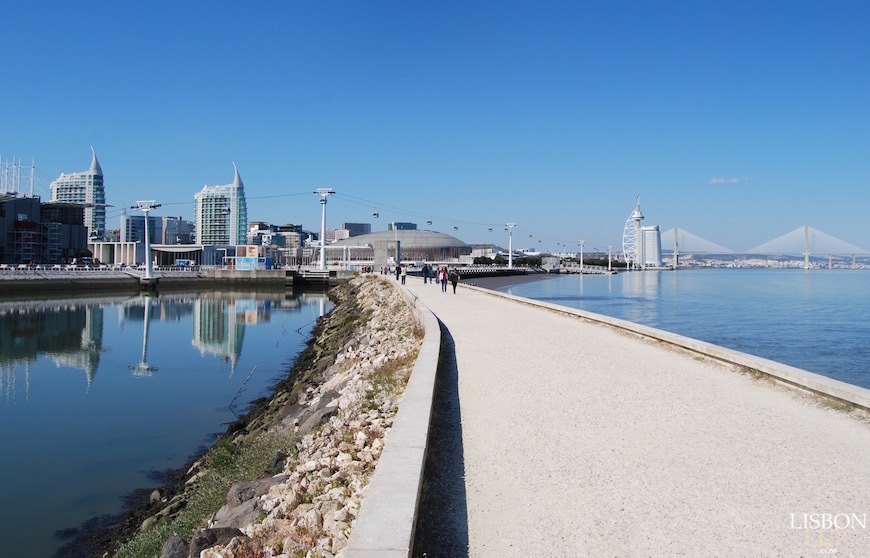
(9, 379)
(163, 310)
(71, 336)
(216, 331)
(250, 311)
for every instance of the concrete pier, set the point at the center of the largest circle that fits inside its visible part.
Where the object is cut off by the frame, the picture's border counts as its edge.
(581, 439)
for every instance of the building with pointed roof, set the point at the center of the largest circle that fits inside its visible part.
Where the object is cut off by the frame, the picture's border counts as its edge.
(222, 214)
(85, 188)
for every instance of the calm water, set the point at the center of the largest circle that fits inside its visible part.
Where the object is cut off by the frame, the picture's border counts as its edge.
(97, 397)
(818, 320)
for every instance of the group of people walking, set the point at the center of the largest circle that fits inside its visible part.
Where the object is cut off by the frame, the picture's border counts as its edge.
(431, 274)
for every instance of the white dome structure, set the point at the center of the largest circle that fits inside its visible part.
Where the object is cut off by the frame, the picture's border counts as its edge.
(415, 245)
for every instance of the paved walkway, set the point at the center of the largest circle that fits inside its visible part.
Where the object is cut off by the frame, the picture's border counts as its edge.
(580, 440)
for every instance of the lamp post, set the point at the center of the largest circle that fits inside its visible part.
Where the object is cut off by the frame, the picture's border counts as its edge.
(323, 193)
(396, 240)
(581, 242)
(510, 227)
(145, 207)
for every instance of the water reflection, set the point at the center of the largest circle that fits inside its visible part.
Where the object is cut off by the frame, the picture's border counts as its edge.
(143, 368)
(642, 289)
(118, 388)
(218, 331)
(70, 333)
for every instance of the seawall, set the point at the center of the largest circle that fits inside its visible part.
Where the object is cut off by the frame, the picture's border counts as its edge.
(26, 283)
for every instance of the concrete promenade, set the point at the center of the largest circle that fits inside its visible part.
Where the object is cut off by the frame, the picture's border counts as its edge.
(581, 440)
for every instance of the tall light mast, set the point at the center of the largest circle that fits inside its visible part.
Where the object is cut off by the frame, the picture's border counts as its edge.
(323, 193)
(581, 243)
(510, 228)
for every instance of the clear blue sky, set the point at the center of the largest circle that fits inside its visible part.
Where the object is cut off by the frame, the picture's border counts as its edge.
(736, 121)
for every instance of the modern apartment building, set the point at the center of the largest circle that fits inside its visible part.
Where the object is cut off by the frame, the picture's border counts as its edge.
(133, 228)
(176, 231)
(85, 188)
(357, 229)
(222, 214)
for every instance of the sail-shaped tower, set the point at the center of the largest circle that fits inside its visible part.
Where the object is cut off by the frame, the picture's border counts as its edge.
(222, 213)
(85, 188)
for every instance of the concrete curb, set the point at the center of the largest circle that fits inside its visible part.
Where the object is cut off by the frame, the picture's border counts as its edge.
(388, 516)
(840, 392)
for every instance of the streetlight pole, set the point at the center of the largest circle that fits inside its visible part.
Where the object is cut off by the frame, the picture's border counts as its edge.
(396, 240)
(609, 247)
(581, 242)
(510, 227)
(145, 207)
(323, 193)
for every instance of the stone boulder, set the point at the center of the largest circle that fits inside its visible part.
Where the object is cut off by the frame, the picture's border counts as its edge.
(175, 547)
(244, 491)
(207, 538)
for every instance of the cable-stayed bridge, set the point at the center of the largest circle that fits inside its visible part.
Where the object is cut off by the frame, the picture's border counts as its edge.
(807, 239)
(795, 243)
(690, 243)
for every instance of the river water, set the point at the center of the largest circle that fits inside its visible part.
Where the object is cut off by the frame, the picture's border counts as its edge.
(817, 320)
(99, 397)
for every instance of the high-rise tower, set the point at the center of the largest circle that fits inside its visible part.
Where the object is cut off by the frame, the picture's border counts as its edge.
(222, 213)
(85, 188)
(631, 237)
(651, 247)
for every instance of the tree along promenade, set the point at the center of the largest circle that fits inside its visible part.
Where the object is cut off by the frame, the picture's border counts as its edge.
(582, 439)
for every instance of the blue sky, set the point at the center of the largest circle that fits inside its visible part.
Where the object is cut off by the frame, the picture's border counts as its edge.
(736, 121)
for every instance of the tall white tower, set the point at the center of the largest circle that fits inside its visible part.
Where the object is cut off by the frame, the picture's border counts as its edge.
(631, 239)
(651, 247)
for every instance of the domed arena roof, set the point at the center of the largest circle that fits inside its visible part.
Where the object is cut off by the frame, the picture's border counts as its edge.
(411, 240)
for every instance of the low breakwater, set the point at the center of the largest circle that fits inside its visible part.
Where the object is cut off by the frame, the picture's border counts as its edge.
(288, 478)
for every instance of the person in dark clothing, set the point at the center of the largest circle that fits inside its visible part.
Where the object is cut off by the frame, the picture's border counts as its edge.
(398, 272)
(454, 279)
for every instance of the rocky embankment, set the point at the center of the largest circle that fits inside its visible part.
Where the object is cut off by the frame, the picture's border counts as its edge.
(329, 420)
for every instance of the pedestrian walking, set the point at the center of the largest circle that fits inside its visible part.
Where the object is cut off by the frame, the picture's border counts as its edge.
(443, 273)
(404, 273)
(398, 272)
(425, 273)
(454, 279)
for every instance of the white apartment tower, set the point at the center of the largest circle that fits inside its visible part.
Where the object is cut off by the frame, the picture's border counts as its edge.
(85, 188)
(651, 246)
(222, 214)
